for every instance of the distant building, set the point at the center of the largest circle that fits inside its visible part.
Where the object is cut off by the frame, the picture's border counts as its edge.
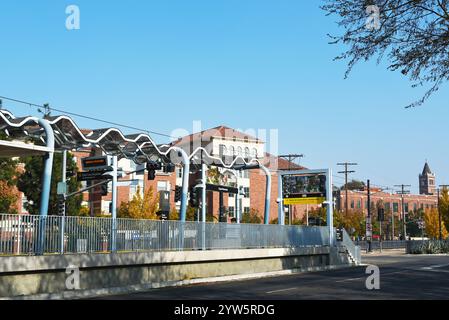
(427, 185)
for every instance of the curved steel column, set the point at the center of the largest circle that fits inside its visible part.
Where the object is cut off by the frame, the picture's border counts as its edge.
(48, 167)
(46, 183)
(267, 194)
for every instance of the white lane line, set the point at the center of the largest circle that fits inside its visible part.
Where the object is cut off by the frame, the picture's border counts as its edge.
(282, 290)
(364, 277)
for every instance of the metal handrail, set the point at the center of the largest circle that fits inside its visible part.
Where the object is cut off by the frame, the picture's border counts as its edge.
(20, 234)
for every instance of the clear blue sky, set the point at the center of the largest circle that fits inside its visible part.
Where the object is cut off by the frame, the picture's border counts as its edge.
(247, 64)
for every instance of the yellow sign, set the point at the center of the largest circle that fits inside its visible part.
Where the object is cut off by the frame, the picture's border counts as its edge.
(294, 201)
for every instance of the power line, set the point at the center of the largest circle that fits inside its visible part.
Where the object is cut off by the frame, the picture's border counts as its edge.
(47, 108)
(402, 193)
(346, 172)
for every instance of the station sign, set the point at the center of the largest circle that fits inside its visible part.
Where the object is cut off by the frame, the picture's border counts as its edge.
(305, 200)
(93, 175)
(369, 228)
(103, 163)
(218, 188)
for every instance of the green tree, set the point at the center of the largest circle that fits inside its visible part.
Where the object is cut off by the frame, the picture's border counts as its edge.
(139, 207)
(444, 206)
(8, 182)
(30, 183)
(252, 217)
(354, 185)
(411, 35)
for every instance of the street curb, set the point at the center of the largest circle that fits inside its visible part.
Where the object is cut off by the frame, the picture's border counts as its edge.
(98, 293)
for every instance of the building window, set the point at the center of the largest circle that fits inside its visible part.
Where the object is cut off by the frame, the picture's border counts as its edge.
(387, 206)
(232, 151)
(247, 155)
(254, 153)
(246, 210)
(231, 212)
(223, 151)
(359, 204)
(415, 207)
(395, 207)
(240, 151)
(162, 186)
(231, 195)
(179, 172)
(352, 204)
(246, 192)
(405, 207)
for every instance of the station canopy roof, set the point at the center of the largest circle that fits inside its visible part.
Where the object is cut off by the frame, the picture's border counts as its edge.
(24, 135)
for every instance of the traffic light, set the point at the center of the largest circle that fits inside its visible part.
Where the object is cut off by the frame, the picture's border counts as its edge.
(61, 205)
(152, 167)
(169, 168)
(104, 189)
(381, 214)
(178, 194)
(151, 174)
(194, 198)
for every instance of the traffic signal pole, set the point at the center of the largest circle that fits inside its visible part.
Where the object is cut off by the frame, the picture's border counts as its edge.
(369, 219)
(63, 180)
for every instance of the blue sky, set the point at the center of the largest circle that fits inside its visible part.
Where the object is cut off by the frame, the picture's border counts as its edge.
(259, 64)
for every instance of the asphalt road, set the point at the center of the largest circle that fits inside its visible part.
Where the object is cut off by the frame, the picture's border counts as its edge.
(402, 277)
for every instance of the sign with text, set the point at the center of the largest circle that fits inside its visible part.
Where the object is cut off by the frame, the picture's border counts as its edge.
(369, 228)
(95, 175)
(305, 200)
(304, 186)
(97, 164)
(218, 188)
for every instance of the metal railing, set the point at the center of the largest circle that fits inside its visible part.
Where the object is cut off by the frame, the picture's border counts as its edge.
(34, 235)
(385, 245)
(353, 250)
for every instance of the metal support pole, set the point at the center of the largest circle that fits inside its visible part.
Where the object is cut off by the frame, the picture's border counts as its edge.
(203, 204)
(46, 182)
(203, 192)
(48, 167)
(369, 219)
(380, 234)
(114, 204)
(267, 194)
(281, 212)
(330, 207)
(185, 181)
(63, 180)
(237, 199)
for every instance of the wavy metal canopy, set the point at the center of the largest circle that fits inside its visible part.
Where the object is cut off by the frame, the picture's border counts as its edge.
(68, 136)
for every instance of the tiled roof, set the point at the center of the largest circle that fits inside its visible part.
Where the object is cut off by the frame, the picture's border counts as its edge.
(220, 131)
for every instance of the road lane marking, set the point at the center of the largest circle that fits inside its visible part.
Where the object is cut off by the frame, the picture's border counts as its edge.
(282, 290)
(381, 274)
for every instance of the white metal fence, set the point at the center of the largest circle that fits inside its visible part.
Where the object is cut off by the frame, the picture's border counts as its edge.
(385, 245)
(31, 235)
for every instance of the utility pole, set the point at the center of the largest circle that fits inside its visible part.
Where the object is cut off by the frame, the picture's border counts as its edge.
(444, 186)
(402, 193)
(369, 225)
(291, 158)
(346, 173)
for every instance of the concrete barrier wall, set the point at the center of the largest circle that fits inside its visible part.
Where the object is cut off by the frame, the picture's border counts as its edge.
(45, 277)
